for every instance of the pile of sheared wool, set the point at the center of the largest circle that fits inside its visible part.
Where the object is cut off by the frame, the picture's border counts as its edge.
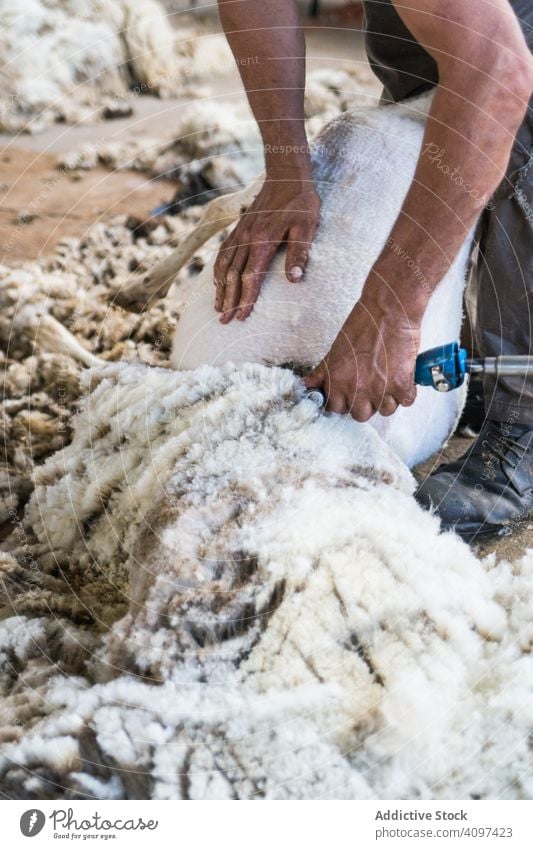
(76, 60)
(216, 147)
(330, 91)
(225, 594)
(212, 147)
(76, 286)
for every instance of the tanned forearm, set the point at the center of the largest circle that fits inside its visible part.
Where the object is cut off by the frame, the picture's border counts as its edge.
(268, 44)
(485, 80)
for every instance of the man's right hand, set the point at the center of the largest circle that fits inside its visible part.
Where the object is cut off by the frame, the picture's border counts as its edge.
(285, 212)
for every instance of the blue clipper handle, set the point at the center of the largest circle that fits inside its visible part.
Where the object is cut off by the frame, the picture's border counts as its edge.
(443, 367)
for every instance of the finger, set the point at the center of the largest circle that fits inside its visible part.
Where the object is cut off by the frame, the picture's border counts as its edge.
(224, 259)
(222, 264)
(219, 296)
(408, 398)
(232, 289)
(337, 403)
(253, 276)
(404, 392)
(362, 409)
(387, 406)
(315, 380)
(299, 244)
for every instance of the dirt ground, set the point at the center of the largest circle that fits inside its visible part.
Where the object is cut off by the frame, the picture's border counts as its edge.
(50, 209)
(51, 205)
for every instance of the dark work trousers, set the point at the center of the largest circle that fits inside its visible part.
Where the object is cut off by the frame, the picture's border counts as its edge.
(502, 262)
(502, 281)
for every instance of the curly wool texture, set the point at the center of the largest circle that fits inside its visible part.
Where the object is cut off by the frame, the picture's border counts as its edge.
(296, 626)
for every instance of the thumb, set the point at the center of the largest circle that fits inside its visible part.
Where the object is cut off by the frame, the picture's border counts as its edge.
(316, 379)
(298, 246)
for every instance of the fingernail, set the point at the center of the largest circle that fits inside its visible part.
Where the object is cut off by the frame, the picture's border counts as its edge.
(239, 314)
(296, 272)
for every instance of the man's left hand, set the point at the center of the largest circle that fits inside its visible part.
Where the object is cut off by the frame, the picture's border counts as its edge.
(370, 367)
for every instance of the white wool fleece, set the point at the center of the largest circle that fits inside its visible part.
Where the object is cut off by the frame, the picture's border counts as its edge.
(297, 626)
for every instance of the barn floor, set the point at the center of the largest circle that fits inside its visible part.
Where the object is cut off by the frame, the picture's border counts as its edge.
(40, 206)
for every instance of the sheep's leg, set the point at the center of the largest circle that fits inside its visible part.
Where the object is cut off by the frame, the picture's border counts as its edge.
(222, 211)
(53, 337)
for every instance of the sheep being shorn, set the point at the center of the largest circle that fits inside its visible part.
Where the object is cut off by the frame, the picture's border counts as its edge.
(364, 162)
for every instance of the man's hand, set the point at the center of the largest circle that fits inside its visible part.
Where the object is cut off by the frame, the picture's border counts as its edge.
(284, 212)
(370, 367)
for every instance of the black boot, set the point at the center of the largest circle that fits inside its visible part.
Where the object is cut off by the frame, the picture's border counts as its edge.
(489, 487)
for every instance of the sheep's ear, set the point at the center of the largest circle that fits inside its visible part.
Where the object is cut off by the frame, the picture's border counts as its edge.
(218, 214)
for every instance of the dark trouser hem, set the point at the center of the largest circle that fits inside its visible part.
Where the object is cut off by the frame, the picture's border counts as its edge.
(511, 413)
